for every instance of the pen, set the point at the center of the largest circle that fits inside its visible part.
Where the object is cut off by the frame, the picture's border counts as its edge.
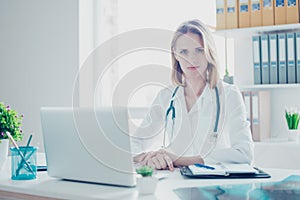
(22, 162)
(204, 166)
(20, 153)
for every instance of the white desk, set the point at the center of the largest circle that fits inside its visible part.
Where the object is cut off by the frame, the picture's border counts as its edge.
(45, 187)
(283, 155)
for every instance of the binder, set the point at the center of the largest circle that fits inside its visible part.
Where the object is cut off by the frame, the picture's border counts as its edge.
(291, 65)
(273, 59)
(282, 75)
(244, 13)
(255, 13)
(280, 12)
(232, 14)
(267, 13)
(297, 35)
(221, 14)
(265, 64)
(256, 59)
(261, 110)
(247, 95)
(292, 11)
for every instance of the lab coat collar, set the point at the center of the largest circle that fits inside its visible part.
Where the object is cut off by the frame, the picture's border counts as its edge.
(205, 97)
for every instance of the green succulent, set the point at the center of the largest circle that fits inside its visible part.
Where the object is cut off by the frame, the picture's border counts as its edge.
(145, 171)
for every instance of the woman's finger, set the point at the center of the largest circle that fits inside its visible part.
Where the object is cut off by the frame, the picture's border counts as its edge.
(147, 157)
(163, 163)
(169, 162)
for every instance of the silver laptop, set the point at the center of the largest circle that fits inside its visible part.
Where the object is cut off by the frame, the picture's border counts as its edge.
(90, 145)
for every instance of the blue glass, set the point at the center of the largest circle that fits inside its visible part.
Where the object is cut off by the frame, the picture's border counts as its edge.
(288, 188)
(20, 170)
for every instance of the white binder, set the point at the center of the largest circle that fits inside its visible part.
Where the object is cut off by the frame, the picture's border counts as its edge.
(291, 67)
(273, 59)
(282, 75)
(265, 64)
(298, 57)
(256, 59)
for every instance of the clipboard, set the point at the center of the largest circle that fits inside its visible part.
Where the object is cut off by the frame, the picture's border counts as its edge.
(185, 171)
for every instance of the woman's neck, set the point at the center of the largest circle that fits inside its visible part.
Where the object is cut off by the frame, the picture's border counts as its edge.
(194, 87)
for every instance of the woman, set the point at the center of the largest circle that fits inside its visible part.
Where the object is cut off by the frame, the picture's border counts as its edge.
(194, 130)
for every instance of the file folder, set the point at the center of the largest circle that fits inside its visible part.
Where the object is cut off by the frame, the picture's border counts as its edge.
(292, 11)
(280, 11)
(221, 14)
(265, 64)
(256, 59)
(255, 13)
(232, 14)
(298, 56)
(291, 65)
(282, 72)
(267, 13)
(247, 97)
(261, 109)
(273, 59)
(244, 13)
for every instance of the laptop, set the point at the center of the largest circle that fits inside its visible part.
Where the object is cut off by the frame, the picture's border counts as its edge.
(89, 145)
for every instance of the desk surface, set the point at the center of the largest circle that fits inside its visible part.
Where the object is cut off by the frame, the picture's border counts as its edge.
(45, 186)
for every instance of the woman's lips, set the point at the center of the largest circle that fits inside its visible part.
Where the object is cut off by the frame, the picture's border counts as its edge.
(192, 67)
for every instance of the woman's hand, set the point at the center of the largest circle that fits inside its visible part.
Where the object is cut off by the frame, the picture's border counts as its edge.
(160, 159)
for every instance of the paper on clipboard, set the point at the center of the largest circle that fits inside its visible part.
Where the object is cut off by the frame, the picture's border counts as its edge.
(223, 169)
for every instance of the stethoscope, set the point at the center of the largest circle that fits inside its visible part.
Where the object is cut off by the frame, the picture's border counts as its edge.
(172, 110)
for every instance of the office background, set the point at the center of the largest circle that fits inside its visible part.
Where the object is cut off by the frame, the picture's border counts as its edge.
(44, 43)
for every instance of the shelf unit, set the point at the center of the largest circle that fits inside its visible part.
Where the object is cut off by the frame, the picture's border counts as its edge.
(281, 95)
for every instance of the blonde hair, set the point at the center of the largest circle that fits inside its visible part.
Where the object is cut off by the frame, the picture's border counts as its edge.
(196, 27)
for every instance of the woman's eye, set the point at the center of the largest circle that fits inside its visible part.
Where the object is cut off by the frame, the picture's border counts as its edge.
(183, 51)
(199, 50)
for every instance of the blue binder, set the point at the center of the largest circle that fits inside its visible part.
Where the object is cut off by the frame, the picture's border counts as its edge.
(256, 59)
(298, 57)
(291, 64)
(273, 59)
(282, 71)
(265, 64)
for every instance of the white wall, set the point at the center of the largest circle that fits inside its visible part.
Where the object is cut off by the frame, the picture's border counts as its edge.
(39, 57)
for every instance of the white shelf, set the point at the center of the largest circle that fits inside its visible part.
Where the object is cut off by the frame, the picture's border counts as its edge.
(267, 87)
(243, 32)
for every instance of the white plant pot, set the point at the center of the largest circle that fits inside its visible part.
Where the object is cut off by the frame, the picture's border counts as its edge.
(293, 135)
(3, 151)
(146, 185)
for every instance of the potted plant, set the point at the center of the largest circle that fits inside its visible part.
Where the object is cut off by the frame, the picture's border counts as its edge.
(9, 121)
(227, 78)
(146, 183)
(292, 119)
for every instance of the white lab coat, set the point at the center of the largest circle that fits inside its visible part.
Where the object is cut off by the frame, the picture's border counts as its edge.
(234, 142)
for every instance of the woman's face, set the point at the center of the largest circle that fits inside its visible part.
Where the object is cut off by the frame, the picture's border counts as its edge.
(189, 52)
